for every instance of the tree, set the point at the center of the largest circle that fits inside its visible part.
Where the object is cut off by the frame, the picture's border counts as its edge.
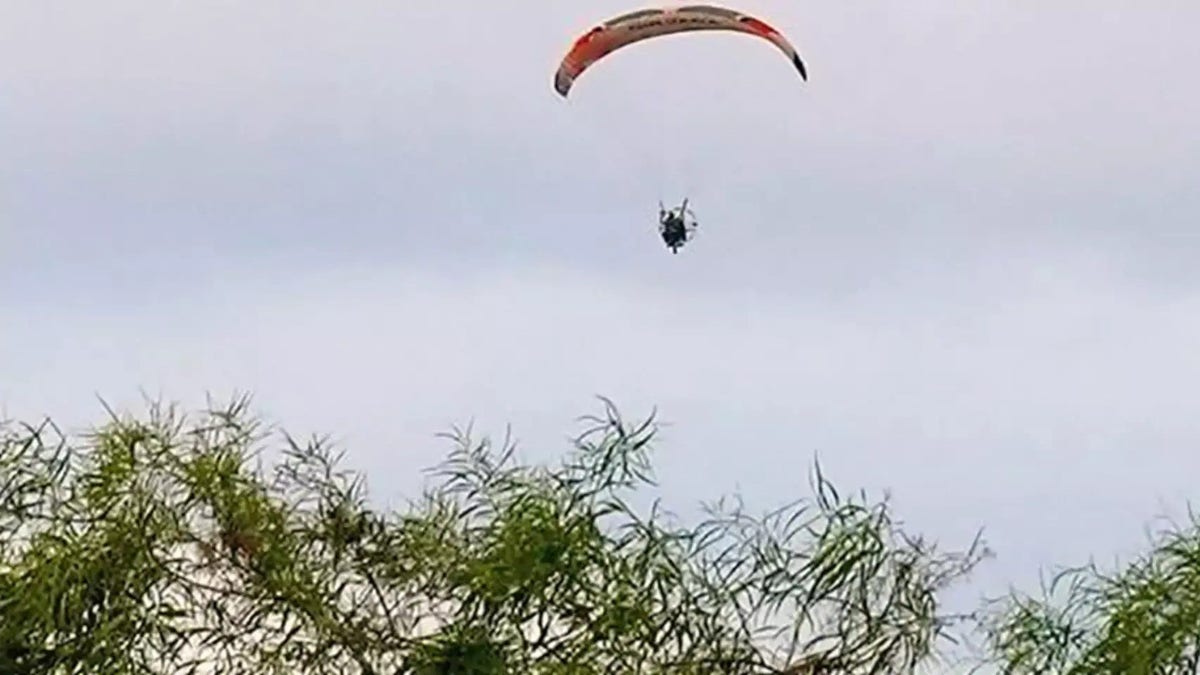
(161, 544)
(1143, 619)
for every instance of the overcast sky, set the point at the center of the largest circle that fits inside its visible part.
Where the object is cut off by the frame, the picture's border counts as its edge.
(959, 263)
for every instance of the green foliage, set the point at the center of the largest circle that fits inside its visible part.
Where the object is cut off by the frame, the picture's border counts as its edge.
(1141, 620)
(161, 545)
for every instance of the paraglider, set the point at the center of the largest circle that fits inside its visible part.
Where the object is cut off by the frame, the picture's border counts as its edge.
(627, 29)
(677, 225)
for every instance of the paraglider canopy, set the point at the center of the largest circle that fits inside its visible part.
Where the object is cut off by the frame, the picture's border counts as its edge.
(636, 26)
